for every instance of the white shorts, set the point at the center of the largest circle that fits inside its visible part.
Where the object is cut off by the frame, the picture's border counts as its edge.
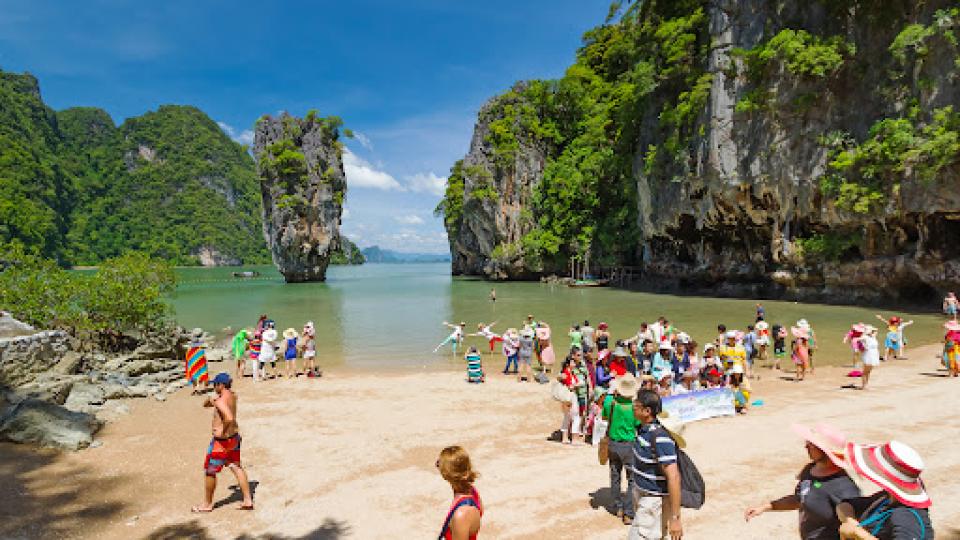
(871, 360)
(309, 354)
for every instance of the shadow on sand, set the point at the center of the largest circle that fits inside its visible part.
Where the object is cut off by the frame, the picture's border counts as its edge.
(331, 529)
(603, 498)
(236, 496)
(41, 498)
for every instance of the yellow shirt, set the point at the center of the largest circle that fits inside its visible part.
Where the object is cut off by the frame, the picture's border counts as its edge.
(733, 356)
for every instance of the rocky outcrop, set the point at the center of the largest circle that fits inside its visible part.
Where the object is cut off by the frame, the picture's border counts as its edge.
(752, 216)
(23, 357)
(302, 186)
(826, 169)
(497, 196)
(48, 424)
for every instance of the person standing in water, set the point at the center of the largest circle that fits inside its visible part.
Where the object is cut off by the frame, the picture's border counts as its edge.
(455, 339)
(493, 295)
(486, 331)
(224, 449)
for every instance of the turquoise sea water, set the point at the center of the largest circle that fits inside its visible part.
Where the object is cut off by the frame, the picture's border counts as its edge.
(391, 314)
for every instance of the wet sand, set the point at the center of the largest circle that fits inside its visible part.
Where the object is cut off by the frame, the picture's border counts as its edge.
(352, 456)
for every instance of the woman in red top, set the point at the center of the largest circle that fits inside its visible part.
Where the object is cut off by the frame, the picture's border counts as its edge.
(463, 518)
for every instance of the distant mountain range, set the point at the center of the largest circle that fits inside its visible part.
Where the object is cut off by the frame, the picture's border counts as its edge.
(374, 254)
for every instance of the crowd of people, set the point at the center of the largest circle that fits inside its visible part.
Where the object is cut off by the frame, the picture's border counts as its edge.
(611, 394)
(271, 355)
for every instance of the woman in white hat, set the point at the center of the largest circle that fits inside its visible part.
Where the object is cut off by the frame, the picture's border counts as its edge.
(309, 348)
(268, 352)
(899, 510)
(870, 355)
(801, 351)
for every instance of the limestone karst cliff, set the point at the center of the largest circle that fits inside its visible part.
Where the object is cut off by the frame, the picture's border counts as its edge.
(790, 149)
(302, 186)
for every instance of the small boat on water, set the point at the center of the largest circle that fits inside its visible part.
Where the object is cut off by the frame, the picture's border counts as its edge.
(246, 274)
(589, 283)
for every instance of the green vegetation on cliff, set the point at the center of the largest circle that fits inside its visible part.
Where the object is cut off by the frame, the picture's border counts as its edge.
(347, 253)
(77, 188)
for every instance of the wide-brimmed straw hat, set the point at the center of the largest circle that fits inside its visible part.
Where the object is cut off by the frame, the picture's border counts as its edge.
(730, 334)
(828, 439)
(674, 427)
(801, 333)
(625, 385)
(290, 333)
(858, 327)
(762, 325)
(666, 346)
(683, 337)
(621, 352)
(709, 347)
(893, 466)
(802, 323)
(869, 329)
(952, 326)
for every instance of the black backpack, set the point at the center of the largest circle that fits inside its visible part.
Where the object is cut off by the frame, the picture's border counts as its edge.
(693, 491)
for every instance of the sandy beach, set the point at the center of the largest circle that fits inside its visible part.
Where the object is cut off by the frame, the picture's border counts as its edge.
(352, 456)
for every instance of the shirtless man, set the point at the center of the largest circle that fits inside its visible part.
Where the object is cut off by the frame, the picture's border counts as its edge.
(224, 449)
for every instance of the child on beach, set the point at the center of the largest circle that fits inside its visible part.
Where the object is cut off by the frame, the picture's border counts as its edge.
(511, 347)
(290, 353)
(801, 352)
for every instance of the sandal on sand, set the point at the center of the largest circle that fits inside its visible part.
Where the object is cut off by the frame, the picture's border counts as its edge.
(201, 510)
(245, 507)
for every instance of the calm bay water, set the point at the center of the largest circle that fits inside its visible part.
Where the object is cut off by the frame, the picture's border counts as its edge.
(391, 314)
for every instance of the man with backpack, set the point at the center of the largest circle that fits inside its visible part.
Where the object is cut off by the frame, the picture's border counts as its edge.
(656, 475)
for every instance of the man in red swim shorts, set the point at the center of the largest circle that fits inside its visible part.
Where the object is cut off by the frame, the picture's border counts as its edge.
(224, 449)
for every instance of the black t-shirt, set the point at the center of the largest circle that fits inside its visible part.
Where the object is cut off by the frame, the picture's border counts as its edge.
(904, 523)
(819, 497)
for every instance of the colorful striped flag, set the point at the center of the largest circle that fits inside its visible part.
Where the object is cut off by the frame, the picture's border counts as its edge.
(197, 365)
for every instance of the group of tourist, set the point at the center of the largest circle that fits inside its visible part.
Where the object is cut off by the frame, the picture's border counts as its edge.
(615, 393)
(828, 491)
(262, 349)
(519, 347)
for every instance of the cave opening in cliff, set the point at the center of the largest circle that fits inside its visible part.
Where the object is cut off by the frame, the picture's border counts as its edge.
(943, 230)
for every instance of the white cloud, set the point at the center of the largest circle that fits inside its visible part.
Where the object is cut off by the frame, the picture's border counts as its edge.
(360, 173)
(427, 182)
(410, 219)
(363, 140)
(243, 137)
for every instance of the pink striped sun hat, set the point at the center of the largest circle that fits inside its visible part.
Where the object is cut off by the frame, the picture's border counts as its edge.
(893, 466)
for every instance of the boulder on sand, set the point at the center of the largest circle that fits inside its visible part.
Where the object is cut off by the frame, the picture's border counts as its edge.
(47, 424)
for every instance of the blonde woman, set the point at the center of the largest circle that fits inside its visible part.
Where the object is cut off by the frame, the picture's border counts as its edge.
(463, 518)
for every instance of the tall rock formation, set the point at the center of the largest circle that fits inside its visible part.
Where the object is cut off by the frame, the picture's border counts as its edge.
(805, 150)
(302, 185)
(496, 186)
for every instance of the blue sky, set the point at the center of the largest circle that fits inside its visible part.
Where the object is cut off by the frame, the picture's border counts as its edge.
(407, 76)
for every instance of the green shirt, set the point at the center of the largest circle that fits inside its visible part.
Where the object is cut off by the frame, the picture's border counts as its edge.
(576, 338)
(623, 425)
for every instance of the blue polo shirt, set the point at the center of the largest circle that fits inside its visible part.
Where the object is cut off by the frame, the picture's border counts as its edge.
(647, 470)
